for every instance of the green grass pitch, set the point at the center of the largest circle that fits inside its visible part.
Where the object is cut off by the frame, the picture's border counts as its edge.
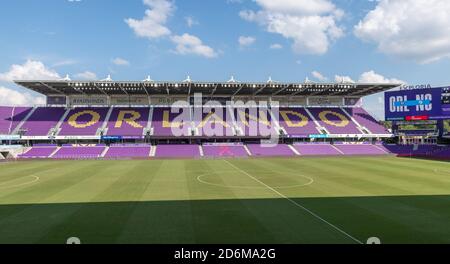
(293, 200)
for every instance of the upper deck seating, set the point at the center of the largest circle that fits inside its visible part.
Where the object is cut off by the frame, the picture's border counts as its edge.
(334, 120)
(42, 121)
(214, 122)
(128, 121)
(168, 123)
(83, 121)
(10, 117)
(297, 122)
(366, 120)
(254, 122)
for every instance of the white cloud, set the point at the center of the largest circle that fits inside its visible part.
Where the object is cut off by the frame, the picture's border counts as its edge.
(120, 62)
(368, 77)
(190, 21)
(311, 25)
(276, 46)
(9, 97)
(319, 76)
(343, 79)
(418, 30)
(64, 63)
(87, 75)
(373, 77)
(245, 41)
(30, 70)
(189, 44)
(307, 7)
(153, 25)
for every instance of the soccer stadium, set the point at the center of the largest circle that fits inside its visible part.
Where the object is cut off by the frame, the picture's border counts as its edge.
(183, 162)
(188, 127)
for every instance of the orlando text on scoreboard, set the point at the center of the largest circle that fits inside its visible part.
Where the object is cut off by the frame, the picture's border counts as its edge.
(420, 104)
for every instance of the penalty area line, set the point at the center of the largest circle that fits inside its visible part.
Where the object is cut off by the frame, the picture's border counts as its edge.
(295, 203)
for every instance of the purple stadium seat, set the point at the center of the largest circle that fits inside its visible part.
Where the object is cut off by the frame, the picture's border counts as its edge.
(442, 154)
(38, 152)
(129, 151)
(163, 121)
(224, 151)
(334, 120)
(10, 117)
(270, 151)
(365, 119)
(79, 152)
(83, 121)
(215, 123)
(407, 150)
(360, 149)
(177, 151)
(128, 121)
(42, 121)
(254, 122)
(297, 122)
(316, 150)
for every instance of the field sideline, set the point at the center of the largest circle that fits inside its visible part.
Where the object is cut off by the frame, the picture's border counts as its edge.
(303, 200)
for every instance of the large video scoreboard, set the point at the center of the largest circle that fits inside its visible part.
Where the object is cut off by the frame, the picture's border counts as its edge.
(420, 104)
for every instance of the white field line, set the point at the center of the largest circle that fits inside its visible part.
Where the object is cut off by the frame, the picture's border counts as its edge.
(200, 179)
(296, 204)
(35, 179)
(441, 171)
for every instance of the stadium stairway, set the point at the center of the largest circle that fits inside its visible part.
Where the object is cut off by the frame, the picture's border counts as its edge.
(149, 129)
(200, 149)
(61, 121)
(318, 126)
(297, 153)
(381, 148)
(248, 151)
(7, 119)
(337, 149)
(104, 151)
(277, 125)
(19, 126)
(54, 152)
(363, 129)
(25, 150)
(104, 128)
(153, 151)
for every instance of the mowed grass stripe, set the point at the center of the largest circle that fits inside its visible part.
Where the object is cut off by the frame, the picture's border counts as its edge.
(240, 217)
(23, 169)
(153, 222)
(161, 201)
(36, 218)
(400, 211)
(416, 180)
(292, 201)
(400, 214)
(82, 222)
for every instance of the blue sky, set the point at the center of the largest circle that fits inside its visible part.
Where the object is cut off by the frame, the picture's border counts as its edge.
(212, 40)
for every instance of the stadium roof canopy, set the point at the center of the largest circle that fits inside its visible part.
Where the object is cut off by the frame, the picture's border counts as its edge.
(69, 87)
